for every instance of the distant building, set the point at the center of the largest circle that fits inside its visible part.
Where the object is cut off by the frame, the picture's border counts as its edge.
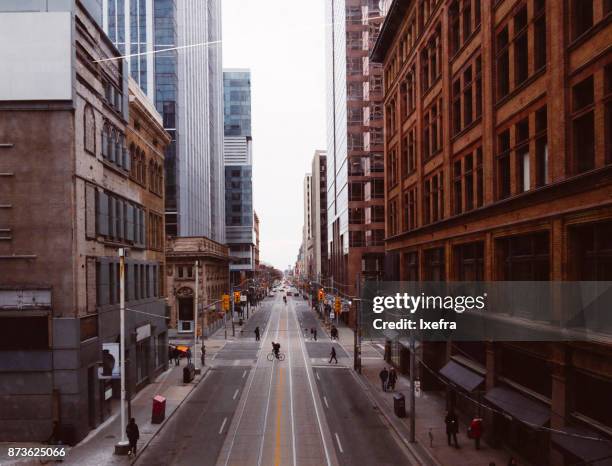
(63, 221)
(307, 226)
(355, 165)
(213, 274)
(239, 215)
(256, 222)
(318, 209)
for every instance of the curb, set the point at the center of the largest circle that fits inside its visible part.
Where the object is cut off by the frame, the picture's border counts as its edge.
(163, 424)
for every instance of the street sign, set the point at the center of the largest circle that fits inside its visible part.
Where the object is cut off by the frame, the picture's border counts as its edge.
(243, 298)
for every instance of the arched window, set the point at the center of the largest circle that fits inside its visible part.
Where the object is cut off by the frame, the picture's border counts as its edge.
(119, 148)
(89, 126)
(105, 131)
(133, 160)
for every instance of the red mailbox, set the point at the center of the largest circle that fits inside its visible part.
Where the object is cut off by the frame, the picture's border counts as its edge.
(158, 413)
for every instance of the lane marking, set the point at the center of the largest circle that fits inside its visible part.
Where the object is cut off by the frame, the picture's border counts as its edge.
(279, 412)
(265, 422)
(314, 401)
(235, 394)
(222, 425)
(246, 397)
(339, 444)
(318, 378)
(244, 374)
(291, 393)
(326, 404)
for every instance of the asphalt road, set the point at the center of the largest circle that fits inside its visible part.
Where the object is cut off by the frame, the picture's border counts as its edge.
(250, 411)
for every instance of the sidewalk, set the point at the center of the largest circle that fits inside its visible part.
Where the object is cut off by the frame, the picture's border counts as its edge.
(430, 413)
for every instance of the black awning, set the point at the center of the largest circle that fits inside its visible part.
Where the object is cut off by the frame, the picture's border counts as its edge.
(519, 406)
(462, 376)
(583, 444)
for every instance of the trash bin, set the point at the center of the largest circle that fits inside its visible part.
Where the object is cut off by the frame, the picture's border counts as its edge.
(188, 373)
(399, 405)
(158, 412)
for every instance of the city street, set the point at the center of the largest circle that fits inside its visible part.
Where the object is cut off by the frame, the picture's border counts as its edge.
(252, 411)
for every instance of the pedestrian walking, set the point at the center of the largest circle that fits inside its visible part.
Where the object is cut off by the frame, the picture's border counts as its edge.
(392, 379)
(430, 434)
(475, 431)
(384, 376)
(452, 427)
(314, 334)
(203, 355)
(133, 435)
(257, 333)
(333, 355)
(334, 332)
(188, 354)
(177, 356)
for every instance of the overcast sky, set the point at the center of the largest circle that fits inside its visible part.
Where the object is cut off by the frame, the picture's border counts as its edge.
(282, 42)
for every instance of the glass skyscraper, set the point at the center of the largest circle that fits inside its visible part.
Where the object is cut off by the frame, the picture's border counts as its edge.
(175, 57)
(238, 172)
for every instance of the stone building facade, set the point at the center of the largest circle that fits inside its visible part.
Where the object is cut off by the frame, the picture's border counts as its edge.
(213, 277)
(68, 203)
(498, 138)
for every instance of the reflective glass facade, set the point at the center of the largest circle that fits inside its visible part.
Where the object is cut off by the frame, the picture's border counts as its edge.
(237, 102)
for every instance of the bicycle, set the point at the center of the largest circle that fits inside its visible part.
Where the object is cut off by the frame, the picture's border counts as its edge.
(271, 356)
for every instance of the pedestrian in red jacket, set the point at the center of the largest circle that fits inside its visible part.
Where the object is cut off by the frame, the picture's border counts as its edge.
(475, 431)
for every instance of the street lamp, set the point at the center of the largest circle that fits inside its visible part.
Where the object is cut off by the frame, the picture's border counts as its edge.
(123, 446)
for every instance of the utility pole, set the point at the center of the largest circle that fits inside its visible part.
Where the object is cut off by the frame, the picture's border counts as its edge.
(195, 312)
(233, 298)
(412, 390)
(357, 349)
(122, 447)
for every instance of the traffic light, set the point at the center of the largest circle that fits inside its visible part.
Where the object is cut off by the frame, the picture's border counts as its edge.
(337, 305)
(321, 294)
(226, 302)
(236, 297)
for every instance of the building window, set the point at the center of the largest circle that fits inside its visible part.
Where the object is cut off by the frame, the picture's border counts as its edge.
(583, 126)
(356, 191)
(503, 165)
(468, 260)
(467, 182)
(392, 168)
(431, 56)
(410, 209)
(432, 130)
(411, 266)
(409, 153)
(356, 239)
(523, 163)
(527, 60)
(524, 257)
(391, 123)
(581, 17)
(408, 90)
(433, 198)
(434, 265)
(541, 147)
(89, 126)
(591, 251)
(393, 217)
(464, 18)
(467, 95)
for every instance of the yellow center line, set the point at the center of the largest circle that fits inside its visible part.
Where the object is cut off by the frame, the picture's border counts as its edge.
(279, 406)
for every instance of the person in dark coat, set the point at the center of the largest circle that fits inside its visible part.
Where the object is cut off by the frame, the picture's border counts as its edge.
(188, 354)
(176, 354)
(452, 427)
(332, 355)
(392, 379)
(314, 334)
(384, 376)
(257, 333)
(133, 435)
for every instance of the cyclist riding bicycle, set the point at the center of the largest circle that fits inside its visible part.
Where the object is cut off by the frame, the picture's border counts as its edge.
(275, 349)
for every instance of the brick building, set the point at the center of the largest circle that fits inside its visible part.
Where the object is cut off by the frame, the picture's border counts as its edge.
(77, 143)
(498, 152)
